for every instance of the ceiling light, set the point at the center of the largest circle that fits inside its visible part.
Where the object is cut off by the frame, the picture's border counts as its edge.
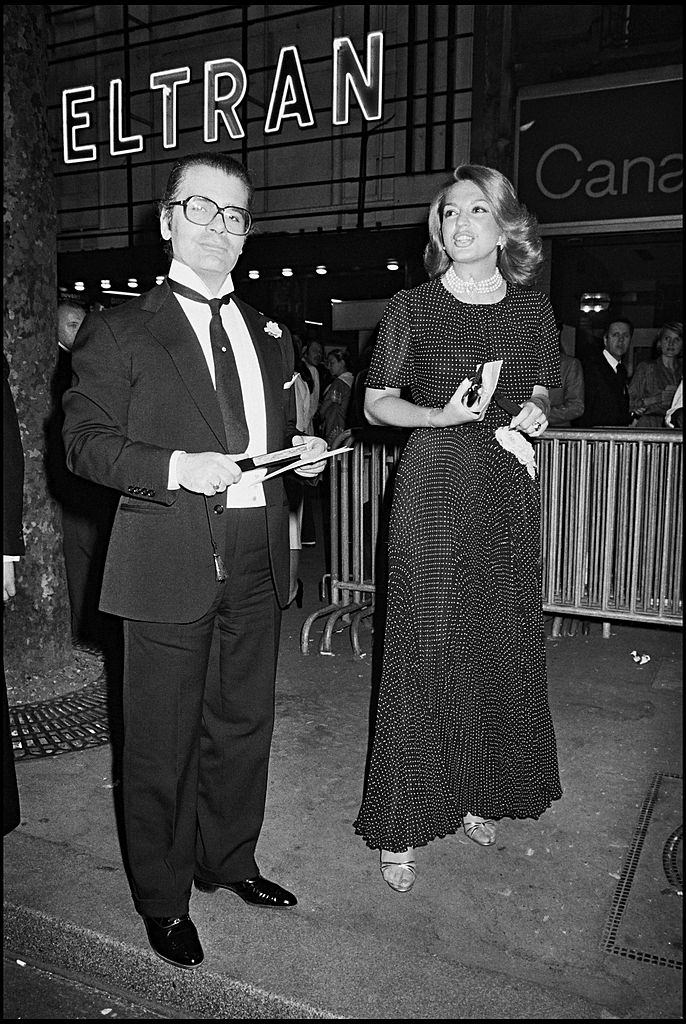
(79, 286)
(321, 269)
(132, 282)
(159, 279)
(594, 302)
(254, 275)
(287, 272)
(393, 265)
(105, 284)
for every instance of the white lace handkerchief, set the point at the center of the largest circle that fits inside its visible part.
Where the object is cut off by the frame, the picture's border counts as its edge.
(515, 442)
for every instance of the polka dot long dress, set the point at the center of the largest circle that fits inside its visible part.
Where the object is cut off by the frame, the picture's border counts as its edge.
(463, 723)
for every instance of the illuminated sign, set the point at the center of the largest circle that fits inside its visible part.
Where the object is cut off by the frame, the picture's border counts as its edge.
(602, 152)
(225, 85)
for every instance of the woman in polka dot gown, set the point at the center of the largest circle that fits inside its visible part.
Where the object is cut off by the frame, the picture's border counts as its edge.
(463, 732)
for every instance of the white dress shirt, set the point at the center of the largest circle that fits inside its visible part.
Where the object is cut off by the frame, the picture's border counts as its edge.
(244, 494)
(614, 363)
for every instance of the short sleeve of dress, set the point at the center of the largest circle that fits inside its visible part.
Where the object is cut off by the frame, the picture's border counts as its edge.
(392, 364)
(549, 364)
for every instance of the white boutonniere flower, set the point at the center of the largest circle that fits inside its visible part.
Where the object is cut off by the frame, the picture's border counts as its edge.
(515, 442)
(273, 329)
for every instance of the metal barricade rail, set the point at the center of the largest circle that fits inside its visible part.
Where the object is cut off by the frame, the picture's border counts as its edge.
(611, 527)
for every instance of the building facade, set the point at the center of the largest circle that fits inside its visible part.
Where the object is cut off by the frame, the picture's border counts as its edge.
(348, 118)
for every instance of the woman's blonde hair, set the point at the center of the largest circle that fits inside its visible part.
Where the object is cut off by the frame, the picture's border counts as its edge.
(521, 256)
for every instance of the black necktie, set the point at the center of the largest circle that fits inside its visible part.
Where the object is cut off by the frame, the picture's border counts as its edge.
(228, 383)
(622, 374)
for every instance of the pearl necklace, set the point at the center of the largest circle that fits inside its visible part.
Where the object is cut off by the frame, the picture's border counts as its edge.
(471, 287)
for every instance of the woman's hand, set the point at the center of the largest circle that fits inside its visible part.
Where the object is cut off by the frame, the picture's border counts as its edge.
(455, 413)
(533, 419)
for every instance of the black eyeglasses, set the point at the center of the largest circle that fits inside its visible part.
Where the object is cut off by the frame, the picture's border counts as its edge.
(200, 210)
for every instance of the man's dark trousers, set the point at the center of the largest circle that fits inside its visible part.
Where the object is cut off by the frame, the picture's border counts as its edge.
(212, 678)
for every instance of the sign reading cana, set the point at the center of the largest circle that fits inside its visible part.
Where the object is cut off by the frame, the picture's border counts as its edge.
(604, 151)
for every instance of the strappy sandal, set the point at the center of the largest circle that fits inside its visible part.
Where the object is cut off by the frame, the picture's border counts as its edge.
(479, 830)
(407, 875)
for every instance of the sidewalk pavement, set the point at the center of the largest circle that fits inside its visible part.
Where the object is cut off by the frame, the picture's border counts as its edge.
(574, 916)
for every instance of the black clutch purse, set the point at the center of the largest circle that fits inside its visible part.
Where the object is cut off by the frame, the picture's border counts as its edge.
(475, 390)
(473, 393)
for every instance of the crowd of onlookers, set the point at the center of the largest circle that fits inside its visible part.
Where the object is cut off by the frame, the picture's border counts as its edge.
(605, 388)
(333, 378)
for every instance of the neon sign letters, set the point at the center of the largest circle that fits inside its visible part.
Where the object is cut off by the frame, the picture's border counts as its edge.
(225, 86)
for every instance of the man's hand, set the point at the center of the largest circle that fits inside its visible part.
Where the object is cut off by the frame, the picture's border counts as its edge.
(8, 587)
(207, 472)
(315, 446)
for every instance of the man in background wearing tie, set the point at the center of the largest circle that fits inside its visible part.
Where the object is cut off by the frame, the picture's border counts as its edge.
(171, 389)
(606, 397)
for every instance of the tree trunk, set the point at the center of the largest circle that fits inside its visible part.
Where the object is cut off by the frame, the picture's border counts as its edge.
(37, 620)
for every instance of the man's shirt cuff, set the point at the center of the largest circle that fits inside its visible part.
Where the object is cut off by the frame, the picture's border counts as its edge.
(173, 481)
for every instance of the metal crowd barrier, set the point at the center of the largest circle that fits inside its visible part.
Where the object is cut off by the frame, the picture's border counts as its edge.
(611, 528)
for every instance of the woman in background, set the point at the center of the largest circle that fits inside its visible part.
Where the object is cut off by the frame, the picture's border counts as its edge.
(654, 383)
(333, 411)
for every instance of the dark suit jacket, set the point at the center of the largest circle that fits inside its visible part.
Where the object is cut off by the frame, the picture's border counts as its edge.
(606, 397)
(567, 402)
(141, 390)
(76, 495)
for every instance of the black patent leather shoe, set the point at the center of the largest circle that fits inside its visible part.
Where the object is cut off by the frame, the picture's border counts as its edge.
(259, 891)
(175, 940)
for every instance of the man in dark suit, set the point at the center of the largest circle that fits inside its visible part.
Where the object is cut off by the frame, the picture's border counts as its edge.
(198, 560)
(606, 397)
(12, 549)
(87, 508)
